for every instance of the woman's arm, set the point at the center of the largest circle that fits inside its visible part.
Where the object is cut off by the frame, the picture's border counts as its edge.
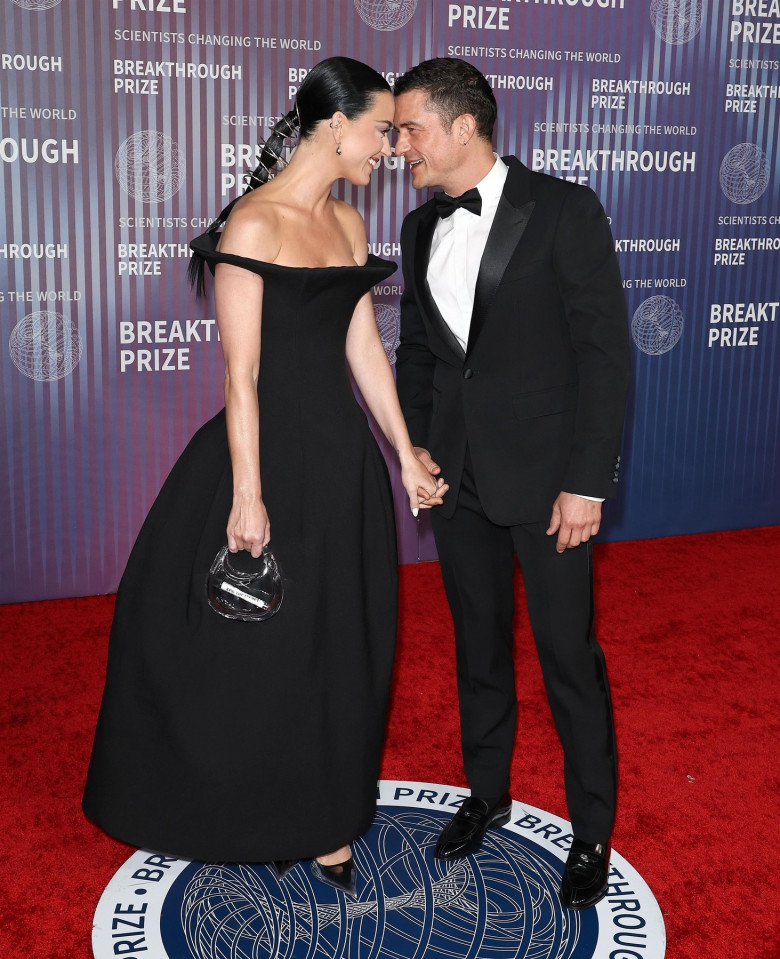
(368, 362)
(239, 300)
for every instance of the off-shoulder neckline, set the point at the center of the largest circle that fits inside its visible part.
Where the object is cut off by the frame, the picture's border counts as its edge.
(284, 266)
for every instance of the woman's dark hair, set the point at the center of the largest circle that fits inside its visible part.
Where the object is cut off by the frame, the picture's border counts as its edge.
(452, 87)
(338, 83)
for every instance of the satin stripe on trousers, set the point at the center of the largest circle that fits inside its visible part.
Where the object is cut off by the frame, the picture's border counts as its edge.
(477, 563)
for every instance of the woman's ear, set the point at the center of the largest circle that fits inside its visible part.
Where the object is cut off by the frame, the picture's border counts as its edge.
(337, 128)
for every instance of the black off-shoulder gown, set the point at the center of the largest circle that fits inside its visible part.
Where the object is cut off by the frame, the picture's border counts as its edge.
(230, 741)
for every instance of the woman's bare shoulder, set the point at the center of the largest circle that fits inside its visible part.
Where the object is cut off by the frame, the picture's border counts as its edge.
(252, 229)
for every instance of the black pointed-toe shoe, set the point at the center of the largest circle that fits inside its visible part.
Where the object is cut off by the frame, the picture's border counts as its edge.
(464, 833)
(282, 866)
(584, 881)
(342, 875)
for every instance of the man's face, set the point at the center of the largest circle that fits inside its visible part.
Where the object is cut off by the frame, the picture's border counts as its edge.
(431, 151)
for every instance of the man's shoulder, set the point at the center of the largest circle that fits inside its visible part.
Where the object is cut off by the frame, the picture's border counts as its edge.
(544, 184)
(556, 196)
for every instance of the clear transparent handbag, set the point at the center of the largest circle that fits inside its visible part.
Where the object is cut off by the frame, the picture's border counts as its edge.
(241, 587)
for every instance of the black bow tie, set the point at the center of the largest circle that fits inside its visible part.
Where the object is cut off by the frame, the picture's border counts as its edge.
(446, 205)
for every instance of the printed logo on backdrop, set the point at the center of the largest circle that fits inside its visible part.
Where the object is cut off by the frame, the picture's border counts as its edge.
(150, 166)
(502, 901)
(657, 325)
(744, 173)
(676, 21)
(388, 320)
(45, 346)
(36, 4)
(386, 14)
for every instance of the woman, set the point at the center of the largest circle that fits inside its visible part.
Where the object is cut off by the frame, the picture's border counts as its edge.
(260, 742)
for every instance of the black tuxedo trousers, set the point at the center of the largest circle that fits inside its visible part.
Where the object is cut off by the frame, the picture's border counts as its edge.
(477, 563)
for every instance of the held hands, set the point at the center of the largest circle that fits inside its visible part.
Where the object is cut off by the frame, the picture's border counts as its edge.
(248, 527)
(424, 486)
(574, 519)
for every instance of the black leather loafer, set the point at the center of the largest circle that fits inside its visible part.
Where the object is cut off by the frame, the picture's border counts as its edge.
(584, 881)
(342, 875)
(464, 833)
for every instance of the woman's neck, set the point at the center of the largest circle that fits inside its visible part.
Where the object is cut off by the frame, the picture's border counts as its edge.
(307, 180)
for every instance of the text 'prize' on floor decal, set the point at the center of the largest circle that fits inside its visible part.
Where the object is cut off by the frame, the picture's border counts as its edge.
(500, 903)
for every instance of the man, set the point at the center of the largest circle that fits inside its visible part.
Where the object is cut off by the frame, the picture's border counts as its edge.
(512, 373)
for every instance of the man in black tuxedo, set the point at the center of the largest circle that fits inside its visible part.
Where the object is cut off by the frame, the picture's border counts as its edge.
(512, 372)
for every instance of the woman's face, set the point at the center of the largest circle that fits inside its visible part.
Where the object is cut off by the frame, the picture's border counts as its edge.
(364, 140)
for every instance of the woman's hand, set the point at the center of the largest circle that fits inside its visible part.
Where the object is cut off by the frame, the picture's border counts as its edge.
(418, 474)
(248, 526)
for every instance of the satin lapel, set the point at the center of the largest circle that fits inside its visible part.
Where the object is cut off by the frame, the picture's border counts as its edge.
(508, 226)
(422, 252)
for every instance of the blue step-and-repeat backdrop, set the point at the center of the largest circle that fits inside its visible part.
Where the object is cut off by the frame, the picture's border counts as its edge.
(125, 125)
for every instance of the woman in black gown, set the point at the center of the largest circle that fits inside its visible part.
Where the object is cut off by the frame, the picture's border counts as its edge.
(259, 742)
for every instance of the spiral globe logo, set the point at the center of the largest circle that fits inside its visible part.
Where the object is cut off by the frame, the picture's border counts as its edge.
(150, 166)
(37, 4)
(657, 325)
(676, 21)
(386, 14)
(411, 906)
(388, 321)
(45, 346)
(499, 903)
(744, 173)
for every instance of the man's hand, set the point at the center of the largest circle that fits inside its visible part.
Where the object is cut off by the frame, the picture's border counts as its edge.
(574, 519)
(425, 458)
(426, 502)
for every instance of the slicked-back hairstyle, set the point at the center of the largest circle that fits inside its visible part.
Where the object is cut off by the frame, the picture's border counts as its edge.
(338, 83)
(452, 87)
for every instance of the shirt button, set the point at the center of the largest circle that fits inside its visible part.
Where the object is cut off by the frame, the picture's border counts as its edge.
(468, 373)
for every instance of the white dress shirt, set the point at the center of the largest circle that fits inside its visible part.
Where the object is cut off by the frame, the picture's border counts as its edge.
(456, 253)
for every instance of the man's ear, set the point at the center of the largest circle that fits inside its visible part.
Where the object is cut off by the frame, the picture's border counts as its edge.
(465, 126)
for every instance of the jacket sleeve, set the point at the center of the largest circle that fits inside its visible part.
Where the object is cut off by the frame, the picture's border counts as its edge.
(415, 362)
(592, 291)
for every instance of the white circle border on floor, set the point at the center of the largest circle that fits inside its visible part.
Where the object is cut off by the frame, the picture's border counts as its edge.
(500, 903)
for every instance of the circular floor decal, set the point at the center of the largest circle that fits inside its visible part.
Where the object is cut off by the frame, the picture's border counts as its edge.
(500, 903)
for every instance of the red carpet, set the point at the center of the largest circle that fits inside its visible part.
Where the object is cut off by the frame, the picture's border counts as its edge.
(690, 626)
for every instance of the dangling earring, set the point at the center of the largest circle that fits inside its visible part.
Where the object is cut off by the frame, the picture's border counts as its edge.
(335, 126)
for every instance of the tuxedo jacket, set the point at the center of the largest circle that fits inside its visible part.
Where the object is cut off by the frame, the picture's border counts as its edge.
(538, 396)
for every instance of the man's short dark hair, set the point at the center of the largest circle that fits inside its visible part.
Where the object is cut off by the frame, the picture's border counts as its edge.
(452, 87)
